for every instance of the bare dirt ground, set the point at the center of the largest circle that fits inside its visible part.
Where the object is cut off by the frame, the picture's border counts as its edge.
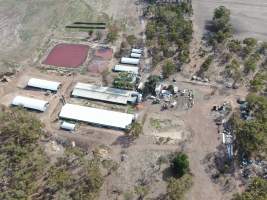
(192, 131)
(27, 26)
(248, 17)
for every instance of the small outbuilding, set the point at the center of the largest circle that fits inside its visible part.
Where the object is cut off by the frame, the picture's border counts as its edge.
(30, 103)
(67, 126)
(43, 84)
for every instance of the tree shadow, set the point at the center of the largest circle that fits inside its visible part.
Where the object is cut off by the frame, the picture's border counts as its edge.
(124, 141)
(167, 174)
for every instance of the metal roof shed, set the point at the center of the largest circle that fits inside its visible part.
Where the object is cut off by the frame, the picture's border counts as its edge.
(100, 93)
(126, 68)
(137, 51)
(96, 116)
(136, 55)
(43, 84)
(30, 103)
(131, 61)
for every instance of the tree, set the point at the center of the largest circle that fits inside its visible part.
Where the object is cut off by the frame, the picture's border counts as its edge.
(263, 48)
(258, 106)
(250, 64)
(177, 188)
(222, 12)
(233, 68)
(180, 164)
(259, 82)
(234, 46)
(27, 173)
(206, 64)
(257, 189)
(251, 42)
(150, 85)
(251, 138)
(167, 69)
(221, 26)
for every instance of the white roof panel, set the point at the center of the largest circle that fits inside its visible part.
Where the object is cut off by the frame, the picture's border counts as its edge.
(131, 61)
(107, 94)
(137, 51)
(43, 84)
(96, 116)
(126, 68)
(68, 126)
(136, 55)
(31, 103)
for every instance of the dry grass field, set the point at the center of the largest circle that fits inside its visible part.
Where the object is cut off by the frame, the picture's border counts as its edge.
(248, 17)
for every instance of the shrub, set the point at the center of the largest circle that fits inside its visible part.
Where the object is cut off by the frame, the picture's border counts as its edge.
(131, 39)
(177, 188)
(136, 130)
(257, 189)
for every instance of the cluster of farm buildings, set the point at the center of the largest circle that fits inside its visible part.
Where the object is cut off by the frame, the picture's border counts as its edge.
(63, 55)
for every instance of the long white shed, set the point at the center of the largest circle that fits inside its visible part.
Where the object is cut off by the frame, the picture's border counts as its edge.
(126, 68)
(43, 84)
(137, 51)
(131, 61)
(30, 103)
(136, 55)
(106, 94)
(96, 116)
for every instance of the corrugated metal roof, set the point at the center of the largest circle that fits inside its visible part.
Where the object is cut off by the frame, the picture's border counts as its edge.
(43, 84)
(126, 68)
(107, 94)
(131, 61)
(31, 103)
(96, 116)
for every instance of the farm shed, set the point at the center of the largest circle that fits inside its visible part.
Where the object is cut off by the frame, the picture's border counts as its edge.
(136, 55)
(106, 94)
(67, 126)
(43, 84)
(125, 68)
(137, 51)
(30, 103)
(96, 116)
(131, 61)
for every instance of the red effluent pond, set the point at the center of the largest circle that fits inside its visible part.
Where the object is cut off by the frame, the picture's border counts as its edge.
(67, 55)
